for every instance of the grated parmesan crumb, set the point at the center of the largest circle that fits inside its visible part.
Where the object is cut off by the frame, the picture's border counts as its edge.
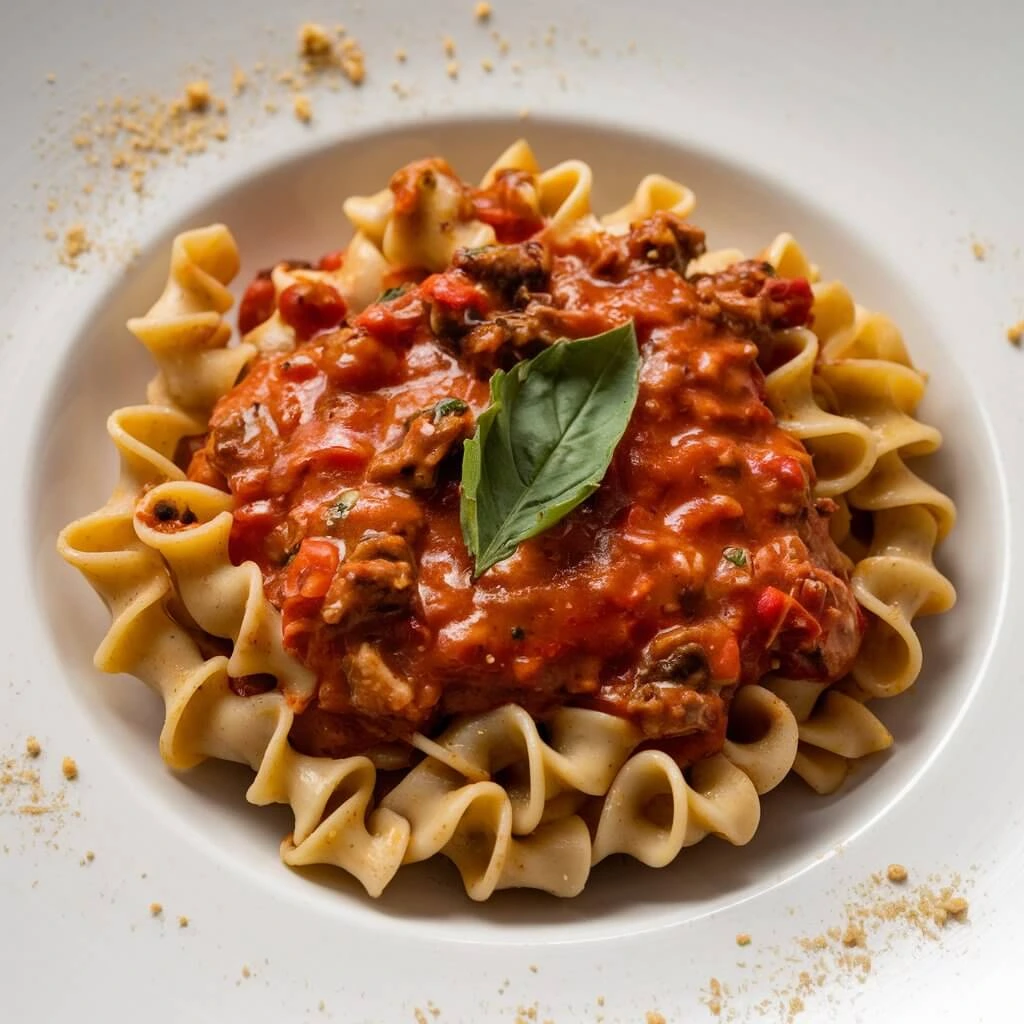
(353, 62)
(89, 856)
(156, 909)
(743, 939)
(979, 251)
(482, 11)
(197, 95)
(401, 56)
(69, 766)
(33, 747)
(956, 906)
(1015, 333)
(452, 69)
(487, 64)
(314, 40)
(303, 108)
(653, 1017)
(896, 873)
(449, 46)
(182, 921)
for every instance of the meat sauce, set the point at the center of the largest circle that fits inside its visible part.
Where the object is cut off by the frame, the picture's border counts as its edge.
(701, 562)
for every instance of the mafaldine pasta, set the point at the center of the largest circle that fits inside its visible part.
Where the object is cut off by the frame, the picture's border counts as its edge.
(515, 533)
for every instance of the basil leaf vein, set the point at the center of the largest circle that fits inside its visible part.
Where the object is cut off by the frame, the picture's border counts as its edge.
(544, 443)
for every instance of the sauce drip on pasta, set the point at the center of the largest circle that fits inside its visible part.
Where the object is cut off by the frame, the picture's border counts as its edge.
(701, 563)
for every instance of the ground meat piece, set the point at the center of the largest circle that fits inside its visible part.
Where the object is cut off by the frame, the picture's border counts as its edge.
(507, 268)
(815, 574)
(374, 688)
(376, 579)
(672, 693)
(429, 437)
(665, 240)
(748, 297)
(664, 709)
(500, 343)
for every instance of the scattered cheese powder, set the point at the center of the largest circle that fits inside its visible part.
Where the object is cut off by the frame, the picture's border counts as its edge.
(76, 243)
(303, 108)
(197, 95)
(881, 911)
(314, 40)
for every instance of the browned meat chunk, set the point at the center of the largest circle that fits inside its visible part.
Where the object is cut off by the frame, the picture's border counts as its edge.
(748, 297)
(375, 580)
(429, 437)
(500, 343)
(374, 688)
(507, 268)
(665, 240)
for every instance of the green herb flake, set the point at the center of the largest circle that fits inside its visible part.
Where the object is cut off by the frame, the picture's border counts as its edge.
(448, 407)
(391, 294)
(341, 508)
(737, 556)
(544, 443)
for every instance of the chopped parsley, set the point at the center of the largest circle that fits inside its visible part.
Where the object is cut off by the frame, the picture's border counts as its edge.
(448, 407)
(391, 293)
(341, 508)
(737, 556)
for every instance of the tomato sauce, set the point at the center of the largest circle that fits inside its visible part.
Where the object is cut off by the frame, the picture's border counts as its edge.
(701, 562)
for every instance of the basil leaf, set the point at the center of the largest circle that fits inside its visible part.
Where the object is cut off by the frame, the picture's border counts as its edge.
(737, 556)
(544, 443)
(391, 293)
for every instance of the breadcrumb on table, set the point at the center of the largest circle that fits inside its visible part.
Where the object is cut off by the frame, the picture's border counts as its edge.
(197, 95)
(303, 108)
(33, 747)
(482, 11)
(70, 768)
(896, 873)
(314, 40)
(1015, 333)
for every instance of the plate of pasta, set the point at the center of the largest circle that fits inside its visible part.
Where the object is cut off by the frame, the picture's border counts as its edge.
(525, 539)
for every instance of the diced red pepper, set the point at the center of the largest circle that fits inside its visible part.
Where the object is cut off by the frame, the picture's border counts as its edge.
(456, 291)
(310, 307)
(334, 260)
(395, 322)
(311, 571)
(795, 297)
(257, 305)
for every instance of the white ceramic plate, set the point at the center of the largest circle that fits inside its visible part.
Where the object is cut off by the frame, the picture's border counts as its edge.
(885, 137)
